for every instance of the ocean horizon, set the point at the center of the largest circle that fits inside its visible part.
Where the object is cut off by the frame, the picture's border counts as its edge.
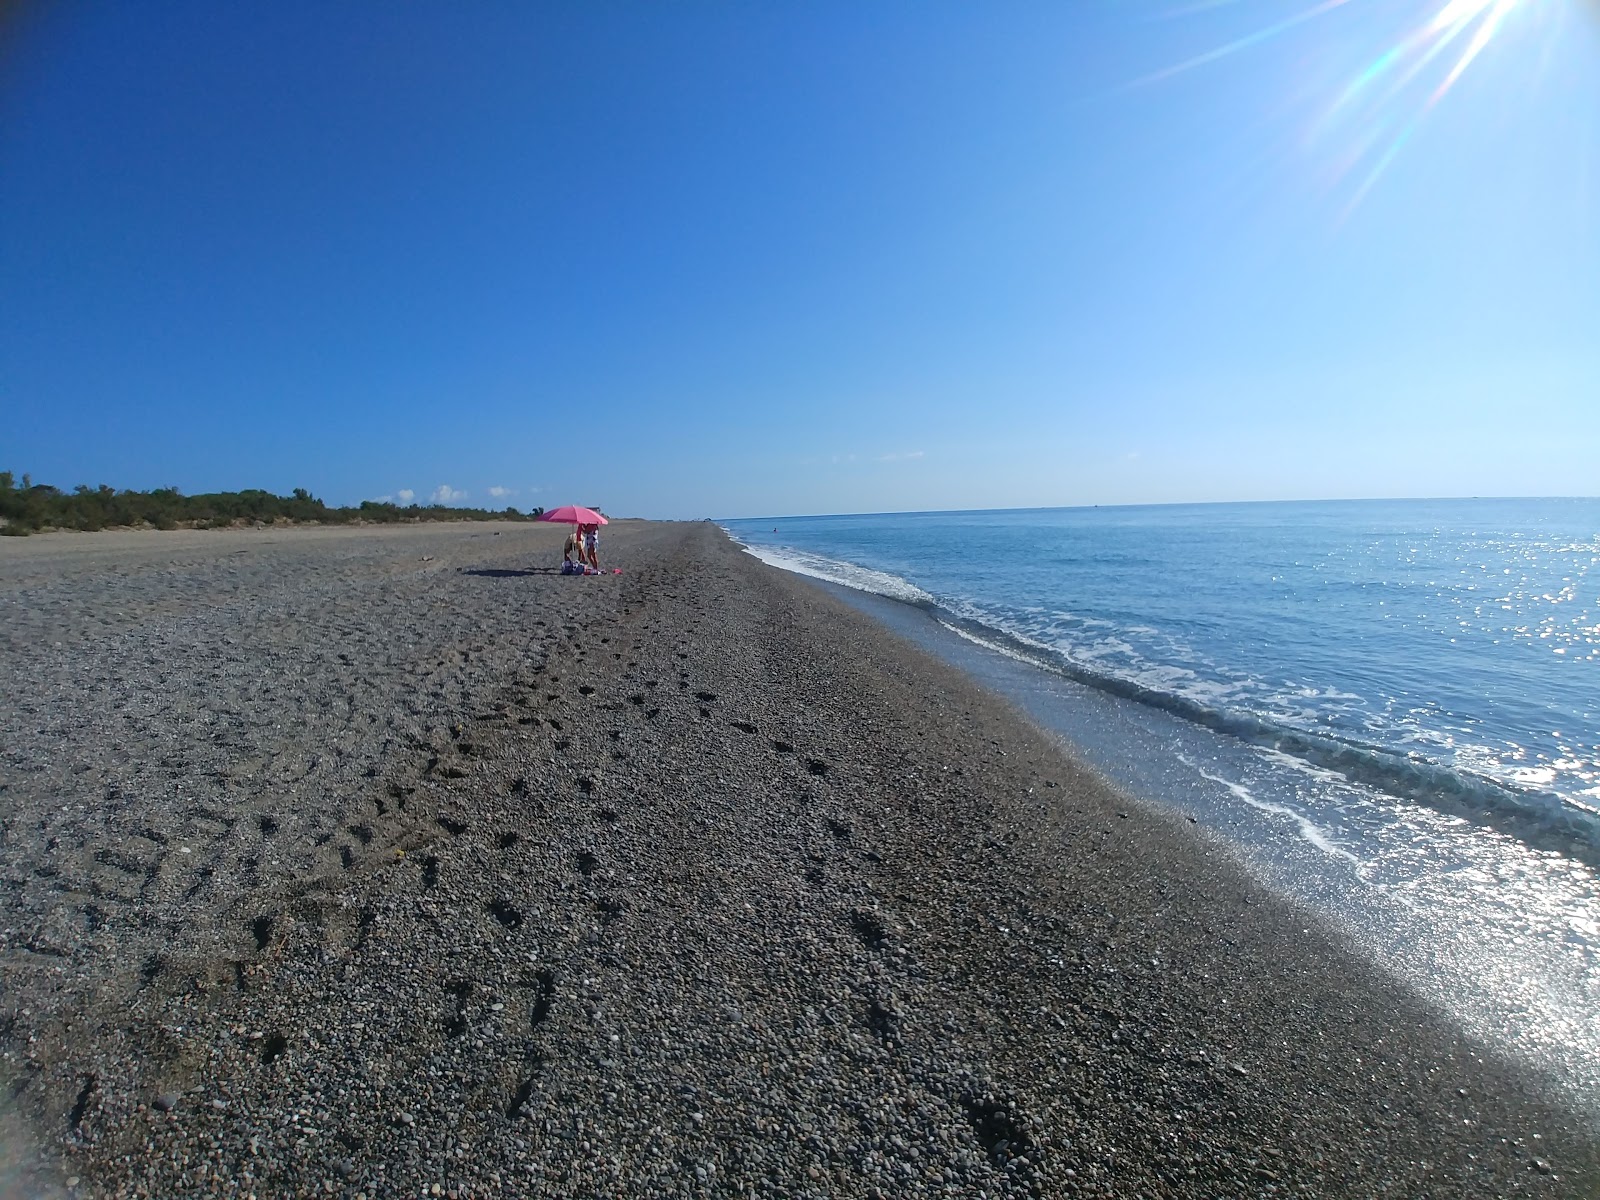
(935, 512)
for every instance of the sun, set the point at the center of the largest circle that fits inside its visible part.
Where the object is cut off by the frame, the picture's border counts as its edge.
(1420, 52)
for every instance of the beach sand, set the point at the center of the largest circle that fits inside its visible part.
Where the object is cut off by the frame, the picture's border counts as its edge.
(353, 862)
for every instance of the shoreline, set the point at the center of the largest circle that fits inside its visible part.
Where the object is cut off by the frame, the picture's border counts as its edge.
(1542, 820)
(1392, 886)
(693, 880)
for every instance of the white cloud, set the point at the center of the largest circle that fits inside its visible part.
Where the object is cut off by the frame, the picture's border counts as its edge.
(500, 493)
(909, 454)
(405, 495)
(445, 494)
(383, 499)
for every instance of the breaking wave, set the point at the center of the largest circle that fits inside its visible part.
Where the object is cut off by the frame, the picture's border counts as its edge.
(1542, 819)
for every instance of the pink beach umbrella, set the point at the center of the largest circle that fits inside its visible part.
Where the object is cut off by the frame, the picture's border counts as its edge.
(574, 514)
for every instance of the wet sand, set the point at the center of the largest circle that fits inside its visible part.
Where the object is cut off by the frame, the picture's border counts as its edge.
(353, 862)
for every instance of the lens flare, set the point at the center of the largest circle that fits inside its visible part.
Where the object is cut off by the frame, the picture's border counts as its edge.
(1385, 100)
(1455, 35)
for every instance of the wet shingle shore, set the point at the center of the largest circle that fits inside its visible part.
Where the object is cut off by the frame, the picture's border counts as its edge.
(374, 863)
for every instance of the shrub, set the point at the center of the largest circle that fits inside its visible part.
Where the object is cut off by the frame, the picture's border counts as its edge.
(31, 507)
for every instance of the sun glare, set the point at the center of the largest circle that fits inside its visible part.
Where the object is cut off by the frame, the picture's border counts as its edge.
(1415, 60)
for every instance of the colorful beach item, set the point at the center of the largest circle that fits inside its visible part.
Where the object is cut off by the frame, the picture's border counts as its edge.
(574, 514)
(577, 514)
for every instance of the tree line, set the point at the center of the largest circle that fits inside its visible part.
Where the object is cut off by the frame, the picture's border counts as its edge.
(33, 506)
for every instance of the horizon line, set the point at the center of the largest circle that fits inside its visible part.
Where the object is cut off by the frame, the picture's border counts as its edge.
(911, 512)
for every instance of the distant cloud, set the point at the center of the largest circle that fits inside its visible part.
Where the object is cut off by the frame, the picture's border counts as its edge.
(445, 494)
(405, 495)
(500, 493)
(900, 457)
(383, 499)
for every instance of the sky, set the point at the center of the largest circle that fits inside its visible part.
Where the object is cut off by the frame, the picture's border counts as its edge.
(717, 259)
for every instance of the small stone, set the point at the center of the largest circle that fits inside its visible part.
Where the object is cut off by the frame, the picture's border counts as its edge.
(344, 1168)
(166, 1101)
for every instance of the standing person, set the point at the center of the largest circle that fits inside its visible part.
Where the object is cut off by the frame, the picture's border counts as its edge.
(591, 545)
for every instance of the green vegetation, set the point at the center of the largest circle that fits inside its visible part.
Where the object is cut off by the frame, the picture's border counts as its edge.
(35, 506)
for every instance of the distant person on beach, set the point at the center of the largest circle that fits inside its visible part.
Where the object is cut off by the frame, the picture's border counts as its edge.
(591, 546)
(572, 549)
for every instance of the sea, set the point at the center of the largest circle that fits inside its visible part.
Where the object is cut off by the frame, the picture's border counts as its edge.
(1388, 710)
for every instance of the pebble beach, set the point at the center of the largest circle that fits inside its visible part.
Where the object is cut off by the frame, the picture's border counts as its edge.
(387, 862)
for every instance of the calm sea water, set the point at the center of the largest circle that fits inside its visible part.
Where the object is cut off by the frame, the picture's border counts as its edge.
(1393, 706)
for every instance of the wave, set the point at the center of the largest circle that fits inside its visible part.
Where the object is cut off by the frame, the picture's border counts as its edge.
(1308, 829)
(862, 579)
(1542, 819)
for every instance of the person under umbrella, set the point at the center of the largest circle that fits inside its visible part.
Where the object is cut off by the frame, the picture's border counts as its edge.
(587, 548)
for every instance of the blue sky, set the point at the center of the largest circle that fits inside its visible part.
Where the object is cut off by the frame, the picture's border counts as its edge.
(733, 259)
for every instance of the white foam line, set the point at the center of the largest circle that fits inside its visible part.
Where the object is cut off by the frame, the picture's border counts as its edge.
(988, 645)
(1290, 762)
(1308, 829)
(850, 575)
